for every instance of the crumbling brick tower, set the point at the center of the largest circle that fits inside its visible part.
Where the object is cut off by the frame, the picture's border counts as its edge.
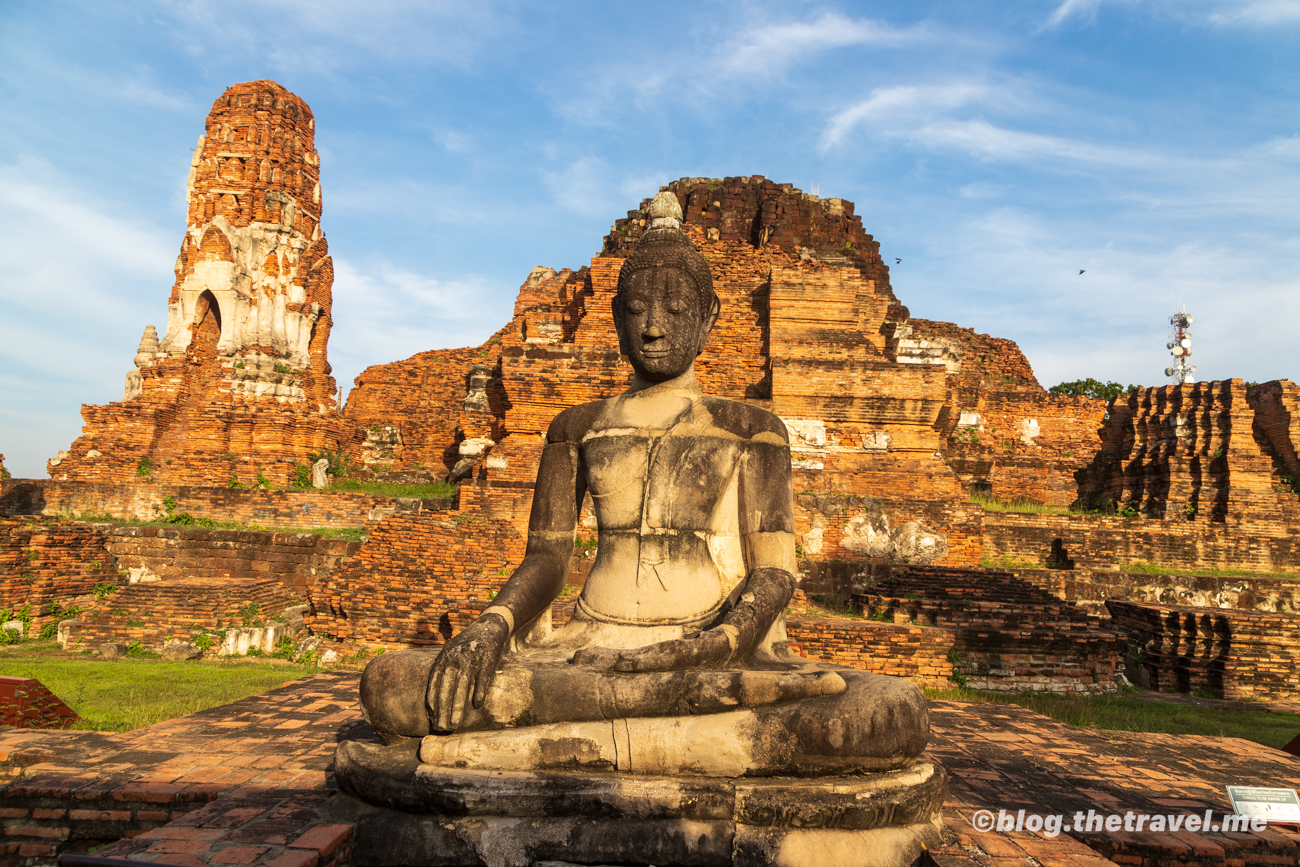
(239, 386)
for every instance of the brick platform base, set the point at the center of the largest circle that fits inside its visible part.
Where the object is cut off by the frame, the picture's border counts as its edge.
(244, 783)
(153, 612)
(1007, 634)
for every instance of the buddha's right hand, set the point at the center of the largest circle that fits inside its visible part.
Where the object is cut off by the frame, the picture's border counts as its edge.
(464, 670)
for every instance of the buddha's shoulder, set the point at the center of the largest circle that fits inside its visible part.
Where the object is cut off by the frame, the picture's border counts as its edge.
(573, 423)
(745, 420)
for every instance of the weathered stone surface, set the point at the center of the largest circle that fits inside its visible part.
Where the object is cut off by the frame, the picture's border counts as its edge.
(513, 818)
(320, 473)
(180, 651)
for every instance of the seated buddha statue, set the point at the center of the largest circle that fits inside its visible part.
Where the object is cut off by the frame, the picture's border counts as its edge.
(675, 659)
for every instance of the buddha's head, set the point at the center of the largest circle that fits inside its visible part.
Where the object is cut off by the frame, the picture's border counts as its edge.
(665, 306)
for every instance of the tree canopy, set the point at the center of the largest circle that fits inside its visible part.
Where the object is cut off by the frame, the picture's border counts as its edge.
(1093, 388)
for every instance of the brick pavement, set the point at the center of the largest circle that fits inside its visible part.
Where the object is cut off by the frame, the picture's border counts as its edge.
(246, 783)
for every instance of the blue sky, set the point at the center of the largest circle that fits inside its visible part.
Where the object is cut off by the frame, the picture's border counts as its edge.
(997, 148)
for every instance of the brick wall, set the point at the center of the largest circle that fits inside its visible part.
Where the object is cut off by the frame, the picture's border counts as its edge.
(45, 560)
(1088, 589)
(298, 509)
(48, 560)
(415, 580)
(294, 560)
(1231, 654)
(918, 653)
(154, 612)
(1008, 633)
(1216, 451)
(1107, 543)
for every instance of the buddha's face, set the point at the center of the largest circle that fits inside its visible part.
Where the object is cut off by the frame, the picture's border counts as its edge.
(663, 324)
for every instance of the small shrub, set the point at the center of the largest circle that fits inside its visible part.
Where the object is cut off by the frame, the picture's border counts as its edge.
(103, 591)
(281, 368)
(301, 476)
(956, 677)
(135, 650)
(283, 649)
(235, 483)
(250, 614)
(262, 481)
(144, 468)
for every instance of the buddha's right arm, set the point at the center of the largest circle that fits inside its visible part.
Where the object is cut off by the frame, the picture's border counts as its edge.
(552, 526)
(467, 666)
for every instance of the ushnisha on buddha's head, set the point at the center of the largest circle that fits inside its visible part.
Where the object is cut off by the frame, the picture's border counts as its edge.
(665, 306)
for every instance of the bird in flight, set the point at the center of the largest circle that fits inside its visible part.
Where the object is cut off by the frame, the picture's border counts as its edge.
(898, 261)
(1080, 270)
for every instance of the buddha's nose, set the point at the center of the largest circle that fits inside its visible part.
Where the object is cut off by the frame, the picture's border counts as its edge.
(653, 332)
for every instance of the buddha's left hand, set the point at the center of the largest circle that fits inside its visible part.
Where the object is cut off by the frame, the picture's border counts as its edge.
(465, 670)
(766, 593)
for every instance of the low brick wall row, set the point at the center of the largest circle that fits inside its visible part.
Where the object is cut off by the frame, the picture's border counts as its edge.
(44, 560)
(1008, 634)
(918, 653)
(296, 560)
(414, 580)
(1107, 543)
(262, 507)
(1088, 589)
(1231, 654)
(153, 612)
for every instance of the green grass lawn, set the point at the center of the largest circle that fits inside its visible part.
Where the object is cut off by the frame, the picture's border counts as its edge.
(1122, 712)
(125, 694)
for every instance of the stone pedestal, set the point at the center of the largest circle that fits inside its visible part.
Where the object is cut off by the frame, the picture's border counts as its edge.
(444, 816)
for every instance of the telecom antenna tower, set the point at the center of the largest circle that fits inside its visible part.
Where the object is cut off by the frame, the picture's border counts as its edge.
(1180, 347)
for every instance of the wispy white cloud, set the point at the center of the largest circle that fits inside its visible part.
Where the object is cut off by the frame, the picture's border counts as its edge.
(1235, 13)
(890, 108)
(78, 283)
(1085, 9)
(1020, 279)
(589, 186)
(385, 313)
(704, 69)
(1254, 13)
(769, 48)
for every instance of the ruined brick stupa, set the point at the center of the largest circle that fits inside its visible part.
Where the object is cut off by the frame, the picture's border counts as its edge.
(238, 388)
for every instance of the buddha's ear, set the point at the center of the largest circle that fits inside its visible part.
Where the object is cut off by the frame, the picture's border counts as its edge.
(710, 320)
(711, 317)
(620, 324)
